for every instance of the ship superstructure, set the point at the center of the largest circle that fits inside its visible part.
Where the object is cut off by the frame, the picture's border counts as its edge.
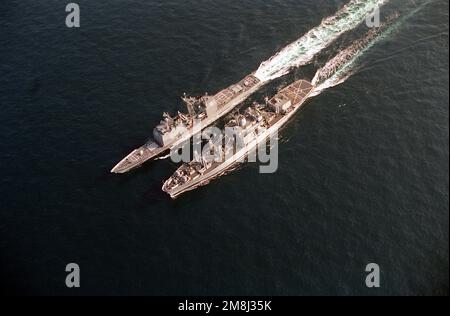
(202, 111)
(255, 125)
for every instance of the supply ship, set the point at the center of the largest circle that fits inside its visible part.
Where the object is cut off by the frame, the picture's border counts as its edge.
(255, 125)
(202, 111)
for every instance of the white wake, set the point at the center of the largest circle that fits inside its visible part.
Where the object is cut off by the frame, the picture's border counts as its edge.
(302, 51)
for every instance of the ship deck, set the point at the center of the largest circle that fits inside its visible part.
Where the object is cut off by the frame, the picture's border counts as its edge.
(226, 100)
(296, 92)
(226, 95)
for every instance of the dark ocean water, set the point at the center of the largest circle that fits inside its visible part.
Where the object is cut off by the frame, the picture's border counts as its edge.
(363, 176)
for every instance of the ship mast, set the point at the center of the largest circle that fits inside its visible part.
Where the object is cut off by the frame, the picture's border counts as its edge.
(190, 102)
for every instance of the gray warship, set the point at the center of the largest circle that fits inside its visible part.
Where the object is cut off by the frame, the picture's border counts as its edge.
(256, 124)
(173, 131)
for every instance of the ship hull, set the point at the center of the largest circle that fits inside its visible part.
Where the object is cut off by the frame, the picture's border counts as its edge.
(237, 157)
(124, 165)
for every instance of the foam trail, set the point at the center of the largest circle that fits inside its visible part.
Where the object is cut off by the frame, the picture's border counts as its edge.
(334, 64)
(346, 63)
(304, 49)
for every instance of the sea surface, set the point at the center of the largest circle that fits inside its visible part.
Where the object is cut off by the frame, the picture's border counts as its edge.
(363, 170)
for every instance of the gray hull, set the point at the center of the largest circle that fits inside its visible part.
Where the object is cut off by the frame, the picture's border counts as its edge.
(152, 149)
(219, 168)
